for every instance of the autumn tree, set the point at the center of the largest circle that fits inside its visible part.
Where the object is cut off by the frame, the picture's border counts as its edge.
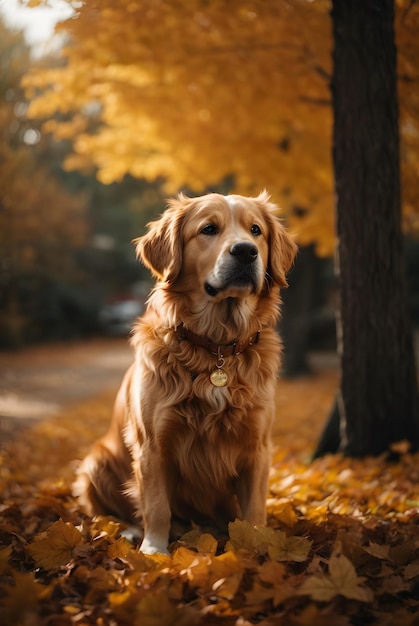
(41, 224)
(197, 92)
(378, 401)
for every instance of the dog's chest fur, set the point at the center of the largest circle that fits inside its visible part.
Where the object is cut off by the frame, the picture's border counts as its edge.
(204, 434)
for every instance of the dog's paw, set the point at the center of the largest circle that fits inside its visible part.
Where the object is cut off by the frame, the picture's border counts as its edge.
(132, 534)
(154, 545)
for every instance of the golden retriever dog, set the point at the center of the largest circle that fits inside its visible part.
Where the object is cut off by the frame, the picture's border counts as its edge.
(190, 434)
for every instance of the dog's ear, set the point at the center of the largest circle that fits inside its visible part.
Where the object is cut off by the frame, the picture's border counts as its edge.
(282, 248)
(161, 248)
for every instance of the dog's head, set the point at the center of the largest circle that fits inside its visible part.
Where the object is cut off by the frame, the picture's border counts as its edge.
(220, 246)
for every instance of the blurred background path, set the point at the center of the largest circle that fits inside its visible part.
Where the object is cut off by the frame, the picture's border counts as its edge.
(37, 382)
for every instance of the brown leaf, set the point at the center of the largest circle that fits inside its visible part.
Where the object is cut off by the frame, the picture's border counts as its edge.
(411, 570)
(56, 546)
(377, 550)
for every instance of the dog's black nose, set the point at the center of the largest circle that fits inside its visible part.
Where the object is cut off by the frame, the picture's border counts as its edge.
(245, 251)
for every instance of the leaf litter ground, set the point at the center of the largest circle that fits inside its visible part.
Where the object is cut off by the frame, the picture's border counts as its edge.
(341, 545)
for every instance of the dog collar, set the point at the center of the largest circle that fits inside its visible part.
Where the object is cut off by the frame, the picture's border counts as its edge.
(219, 350)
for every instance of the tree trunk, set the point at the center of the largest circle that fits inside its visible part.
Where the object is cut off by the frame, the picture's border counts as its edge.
(378, 399)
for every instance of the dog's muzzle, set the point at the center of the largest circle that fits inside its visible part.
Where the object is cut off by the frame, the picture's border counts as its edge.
(239, 270)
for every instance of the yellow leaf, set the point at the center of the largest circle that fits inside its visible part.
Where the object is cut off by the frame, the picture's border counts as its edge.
(183, 558)
(282, 511)
(105, 526)
(207, 544)
(118, 598)
(341, 580)
(55, 547)
(226, 565)
(119, 548)
(227, 587)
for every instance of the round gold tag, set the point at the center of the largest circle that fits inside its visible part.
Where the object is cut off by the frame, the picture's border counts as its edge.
(219, 378)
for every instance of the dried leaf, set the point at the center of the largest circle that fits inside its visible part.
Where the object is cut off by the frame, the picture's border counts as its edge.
(156, 610)
(120, 548)
(207, 544)
(55, 547)
(285, 548)
(411, 570)
(341, 580)
(242, 537)
(377, 550)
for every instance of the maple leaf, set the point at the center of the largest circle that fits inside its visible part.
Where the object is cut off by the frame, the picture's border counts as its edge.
(285, 548)
(55, 547)
(243, 538)
(341, 580)
(252, 540)
(377, 550)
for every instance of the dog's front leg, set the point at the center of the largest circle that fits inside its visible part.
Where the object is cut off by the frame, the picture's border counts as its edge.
(155, 507)
(253, 489)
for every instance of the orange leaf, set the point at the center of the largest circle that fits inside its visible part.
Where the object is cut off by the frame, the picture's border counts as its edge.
(207, 544)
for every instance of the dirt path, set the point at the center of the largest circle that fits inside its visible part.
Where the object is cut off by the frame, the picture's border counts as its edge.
(38, 382)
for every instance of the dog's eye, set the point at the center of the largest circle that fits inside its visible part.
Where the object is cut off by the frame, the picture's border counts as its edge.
(255, 230)
(209, 229)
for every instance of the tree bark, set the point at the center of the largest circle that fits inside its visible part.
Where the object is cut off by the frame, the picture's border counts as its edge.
(378, 400)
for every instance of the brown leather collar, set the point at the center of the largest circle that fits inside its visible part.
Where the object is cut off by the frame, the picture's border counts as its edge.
(234, 348)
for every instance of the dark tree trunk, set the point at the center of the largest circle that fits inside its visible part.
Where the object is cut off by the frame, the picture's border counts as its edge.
(378, 400)
(297, 312)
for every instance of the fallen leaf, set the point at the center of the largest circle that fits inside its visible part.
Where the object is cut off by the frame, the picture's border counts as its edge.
(285, 548)
(120, 548)
(377, 550)
(242, 537)
(55, 547)
(341, 580)
(207, 544)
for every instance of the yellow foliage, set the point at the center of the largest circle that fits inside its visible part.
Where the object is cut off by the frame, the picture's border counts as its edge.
(196, 92)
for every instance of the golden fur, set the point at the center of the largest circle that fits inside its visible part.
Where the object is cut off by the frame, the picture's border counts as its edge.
(178, 447)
